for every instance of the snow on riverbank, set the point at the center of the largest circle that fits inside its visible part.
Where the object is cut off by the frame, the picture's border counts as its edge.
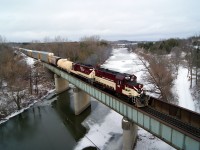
(30, 61)
(26, 103)
(17, 112)
(182, 87)
(50, 92)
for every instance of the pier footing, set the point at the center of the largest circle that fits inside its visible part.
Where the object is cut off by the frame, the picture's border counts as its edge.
(129, 134)
(60, 84)
(81, 101)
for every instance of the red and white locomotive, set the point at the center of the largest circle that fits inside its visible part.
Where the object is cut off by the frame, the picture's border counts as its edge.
(121, 83)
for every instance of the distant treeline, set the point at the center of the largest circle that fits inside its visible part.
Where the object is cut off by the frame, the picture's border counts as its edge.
(90, 50)
(183, 52)
(161, 46)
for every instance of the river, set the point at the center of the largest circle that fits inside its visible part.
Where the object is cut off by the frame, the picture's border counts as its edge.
(52, 125)
(43, 126)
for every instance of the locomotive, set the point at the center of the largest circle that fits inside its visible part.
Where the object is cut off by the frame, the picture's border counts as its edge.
(122, 84)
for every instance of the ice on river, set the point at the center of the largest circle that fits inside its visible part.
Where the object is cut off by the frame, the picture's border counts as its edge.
(107, 133)
(125, 62)
(104, 129)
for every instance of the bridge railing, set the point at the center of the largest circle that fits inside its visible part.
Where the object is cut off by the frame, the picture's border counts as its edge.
(185, 115)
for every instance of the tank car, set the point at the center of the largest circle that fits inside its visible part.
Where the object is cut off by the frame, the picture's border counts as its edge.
(53, 60)
(65, 64)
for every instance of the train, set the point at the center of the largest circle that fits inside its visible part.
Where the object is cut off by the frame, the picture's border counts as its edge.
(121, 84)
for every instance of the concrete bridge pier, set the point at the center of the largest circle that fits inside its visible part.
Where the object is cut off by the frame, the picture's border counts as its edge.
(60, 84)
(129, 134)
(81, 101)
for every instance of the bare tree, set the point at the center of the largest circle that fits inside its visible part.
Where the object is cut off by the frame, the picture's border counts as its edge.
(176, 58)
(2, 39)
(159, 76)
(13, 71)
(89, 50)
(193, 59)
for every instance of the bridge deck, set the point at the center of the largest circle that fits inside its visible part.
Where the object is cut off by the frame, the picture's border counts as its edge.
(172, 135)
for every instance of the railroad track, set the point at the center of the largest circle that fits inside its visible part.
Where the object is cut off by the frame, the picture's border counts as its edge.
(173, 121)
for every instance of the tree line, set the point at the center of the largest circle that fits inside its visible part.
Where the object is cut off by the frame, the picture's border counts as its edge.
(91, 50)
(13, 79)
(162, 60)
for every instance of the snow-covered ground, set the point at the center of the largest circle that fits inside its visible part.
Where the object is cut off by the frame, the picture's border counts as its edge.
(30, 102)
(182, 86)
(16, 113)
(50, 92)
(30, 61)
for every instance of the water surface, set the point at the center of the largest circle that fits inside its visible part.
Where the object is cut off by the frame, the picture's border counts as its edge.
(45, 126)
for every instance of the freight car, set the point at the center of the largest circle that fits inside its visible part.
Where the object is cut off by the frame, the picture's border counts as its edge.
(121, 83)
(27, 52)
(41, 55)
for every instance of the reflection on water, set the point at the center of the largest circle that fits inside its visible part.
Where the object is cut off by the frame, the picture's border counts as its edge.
(49, 127)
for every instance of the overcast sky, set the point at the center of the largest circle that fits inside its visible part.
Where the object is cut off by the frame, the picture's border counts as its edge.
(26, 20)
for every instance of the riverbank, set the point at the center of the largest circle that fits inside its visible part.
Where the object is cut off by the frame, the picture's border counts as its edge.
(36, 89)
(28, 104)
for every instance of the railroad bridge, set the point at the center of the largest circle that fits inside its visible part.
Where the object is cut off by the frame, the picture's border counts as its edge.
(174, 125)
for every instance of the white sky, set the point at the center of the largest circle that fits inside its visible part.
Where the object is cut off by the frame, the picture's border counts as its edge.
(27, 20)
